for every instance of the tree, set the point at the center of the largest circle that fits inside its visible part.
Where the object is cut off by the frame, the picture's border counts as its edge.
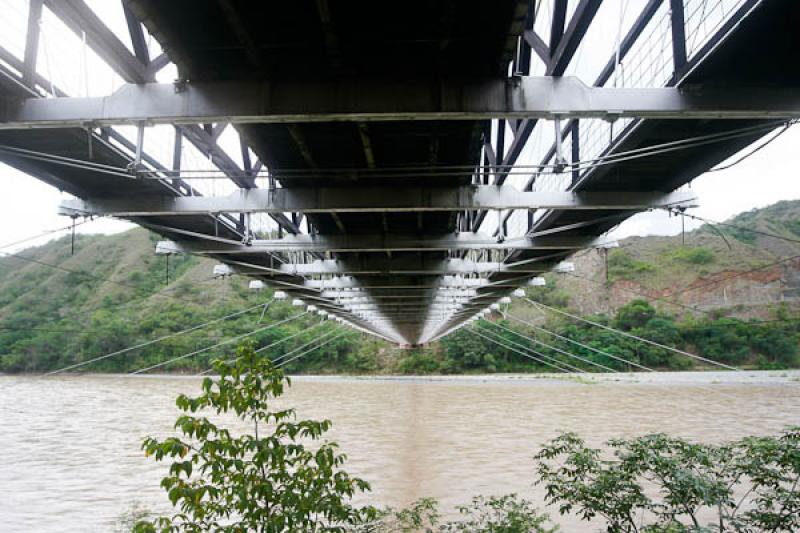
(777, 345)
(747, 485)
(634, 314)
(267, 481)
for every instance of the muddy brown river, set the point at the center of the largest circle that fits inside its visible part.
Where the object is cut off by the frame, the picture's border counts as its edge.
(71, 459)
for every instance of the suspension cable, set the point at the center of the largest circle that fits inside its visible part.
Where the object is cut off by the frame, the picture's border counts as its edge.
(563, 352)
(151, 342)
(282, 174)
(692, 308)
(496, 335)
(284, 363)
(284, 339)
(45, 233)
(227, 341)
(58, 267)
(540, 361)
(321, 335)
(735, 226)
(306, 344)
(89, 275)
(577, 343)
(735, 275)
(754, 150)
(632, 336)
(699, 387)
(642, 294)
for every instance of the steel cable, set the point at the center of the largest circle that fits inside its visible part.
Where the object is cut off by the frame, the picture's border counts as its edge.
(632, 336)
(222, 343)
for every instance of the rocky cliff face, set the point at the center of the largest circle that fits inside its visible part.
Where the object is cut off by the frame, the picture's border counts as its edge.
(741, 273)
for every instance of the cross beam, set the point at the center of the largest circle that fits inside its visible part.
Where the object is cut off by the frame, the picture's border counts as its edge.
(373, 200)
(392, 284)
(413, 265)
(382, 243)
(365, 100)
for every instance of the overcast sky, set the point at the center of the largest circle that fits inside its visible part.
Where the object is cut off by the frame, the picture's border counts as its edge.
(28, 207)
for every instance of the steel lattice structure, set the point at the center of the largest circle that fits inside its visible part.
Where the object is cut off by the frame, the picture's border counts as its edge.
(379, 144)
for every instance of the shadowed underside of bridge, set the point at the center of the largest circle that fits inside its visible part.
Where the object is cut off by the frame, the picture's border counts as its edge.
(399, 288)
(324, 41)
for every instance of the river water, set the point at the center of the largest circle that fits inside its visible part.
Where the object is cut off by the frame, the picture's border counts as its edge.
(71, 459)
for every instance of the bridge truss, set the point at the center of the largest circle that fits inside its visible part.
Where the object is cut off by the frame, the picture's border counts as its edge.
(352, 160)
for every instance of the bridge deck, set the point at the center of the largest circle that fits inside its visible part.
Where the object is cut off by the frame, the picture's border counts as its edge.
(755, 51)
(321, 41)
(331, 40)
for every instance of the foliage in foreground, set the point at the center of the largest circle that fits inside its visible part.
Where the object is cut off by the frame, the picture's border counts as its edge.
(747, 485)
(268, 481)
(274, 481)
(503, 514)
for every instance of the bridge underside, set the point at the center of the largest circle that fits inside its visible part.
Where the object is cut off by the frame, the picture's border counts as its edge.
(324, 41)
(404, 286)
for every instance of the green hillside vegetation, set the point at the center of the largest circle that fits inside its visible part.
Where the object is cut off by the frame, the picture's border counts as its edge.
(660, 262)
(58, 309)
(54, 317)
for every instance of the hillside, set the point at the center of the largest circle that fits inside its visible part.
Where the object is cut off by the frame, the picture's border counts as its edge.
(717, 268)
(57, 308)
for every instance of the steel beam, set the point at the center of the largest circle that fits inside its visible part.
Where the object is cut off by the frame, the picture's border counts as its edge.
(565, 46)
(382, 243)
(81, 19)
(678, 27)
(375, 294)
(207, 146)
(295, 102)
(406, 265)
(536, 43)
(559, 57)
(374, 200)
(557, 23)
(234, 18)
(32, 42)
(347, 282)
(523, 60)
(156, 64)
(636, 29)
(137, 36)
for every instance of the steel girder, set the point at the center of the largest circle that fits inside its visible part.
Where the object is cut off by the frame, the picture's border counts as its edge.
(383, 243)
(375, 200)
(366, 100)
(405, 266)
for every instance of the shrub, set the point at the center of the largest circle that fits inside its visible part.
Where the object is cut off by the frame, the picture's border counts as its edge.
(498, 514)
(695, 256)
(622, 265)
(634, 314)
(265, 481)
(660, 483)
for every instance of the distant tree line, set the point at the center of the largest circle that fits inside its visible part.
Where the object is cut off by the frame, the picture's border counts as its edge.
(34, 345)
(49, 321)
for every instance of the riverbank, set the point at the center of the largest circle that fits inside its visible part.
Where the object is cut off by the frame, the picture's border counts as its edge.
(707, 377)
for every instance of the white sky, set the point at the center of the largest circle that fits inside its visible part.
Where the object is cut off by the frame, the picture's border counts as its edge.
(28, 207)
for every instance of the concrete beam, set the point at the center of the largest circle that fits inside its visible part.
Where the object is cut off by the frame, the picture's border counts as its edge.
(374, 199)
(367, 100)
